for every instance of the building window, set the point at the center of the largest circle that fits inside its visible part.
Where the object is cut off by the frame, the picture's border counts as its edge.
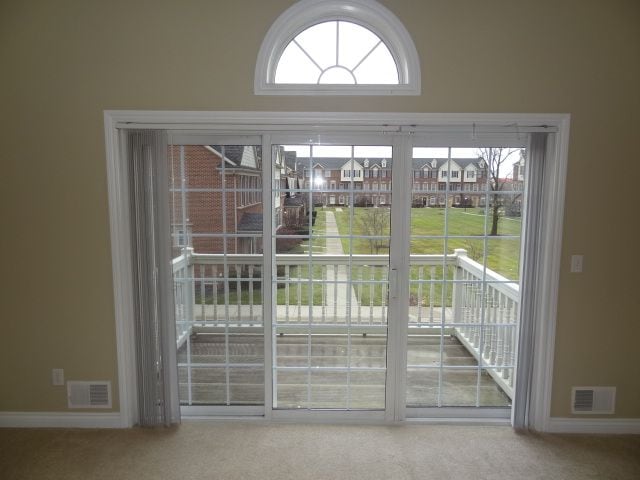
(327, 173)
(455, 174)
(471, 174)
(182, 238)
(444, 173)
(343, 47)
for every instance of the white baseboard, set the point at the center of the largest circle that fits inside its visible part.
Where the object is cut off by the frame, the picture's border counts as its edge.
(594, 425)
(61, 420)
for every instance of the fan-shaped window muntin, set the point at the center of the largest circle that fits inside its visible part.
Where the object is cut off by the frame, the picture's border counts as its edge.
(365, 50)
(337, 53)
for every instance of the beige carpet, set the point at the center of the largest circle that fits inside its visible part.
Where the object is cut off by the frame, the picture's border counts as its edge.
(260, 451)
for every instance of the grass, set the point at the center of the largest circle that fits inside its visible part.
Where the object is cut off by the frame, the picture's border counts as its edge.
(502, 254)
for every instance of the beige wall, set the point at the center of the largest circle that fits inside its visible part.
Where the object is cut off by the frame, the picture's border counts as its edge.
(62, 63)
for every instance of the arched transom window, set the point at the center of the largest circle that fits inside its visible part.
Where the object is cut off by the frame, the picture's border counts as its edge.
(352, 47)
(338, 53)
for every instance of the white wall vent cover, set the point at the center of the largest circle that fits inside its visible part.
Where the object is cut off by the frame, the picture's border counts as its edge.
(89, 394)
(593, 400)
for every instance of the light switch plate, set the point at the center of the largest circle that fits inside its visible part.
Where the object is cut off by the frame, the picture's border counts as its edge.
(576, 263)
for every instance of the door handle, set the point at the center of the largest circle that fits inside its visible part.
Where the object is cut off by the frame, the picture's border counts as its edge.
(393, 282)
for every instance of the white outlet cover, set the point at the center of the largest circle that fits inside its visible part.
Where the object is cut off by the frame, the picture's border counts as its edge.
(57, 376)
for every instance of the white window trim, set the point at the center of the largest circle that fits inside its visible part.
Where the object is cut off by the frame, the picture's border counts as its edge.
(367, 13)
(552, 212)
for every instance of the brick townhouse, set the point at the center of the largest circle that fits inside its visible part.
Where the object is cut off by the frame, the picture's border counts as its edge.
(234, 207)
(209, 196)
(369, 179)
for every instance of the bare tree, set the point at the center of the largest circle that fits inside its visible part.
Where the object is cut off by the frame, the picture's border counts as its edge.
(375, 222)
(499, 163)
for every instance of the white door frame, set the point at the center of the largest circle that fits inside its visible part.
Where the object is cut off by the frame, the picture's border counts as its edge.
(396, 123)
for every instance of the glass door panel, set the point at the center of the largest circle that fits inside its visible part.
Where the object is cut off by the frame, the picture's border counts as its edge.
(331, 237)
(215, 196)
(464, 276)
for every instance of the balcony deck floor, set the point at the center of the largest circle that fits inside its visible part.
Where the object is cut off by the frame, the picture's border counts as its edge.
(327, 354)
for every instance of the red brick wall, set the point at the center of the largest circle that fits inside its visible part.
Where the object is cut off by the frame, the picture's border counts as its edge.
(205, 211)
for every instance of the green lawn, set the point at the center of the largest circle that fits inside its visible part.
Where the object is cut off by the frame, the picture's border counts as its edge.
(502, 254)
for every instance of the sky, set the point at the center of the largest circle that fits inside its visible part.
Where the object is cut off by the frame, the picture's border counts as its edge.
(361, 151)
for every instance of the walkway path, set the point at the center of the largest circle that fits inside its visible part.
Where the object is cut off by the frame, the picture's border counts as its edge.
(337, 293)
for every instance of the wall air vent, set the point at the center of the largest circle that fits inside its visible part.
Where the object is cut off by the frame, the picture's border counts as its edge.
(593, 400)
(89, 394)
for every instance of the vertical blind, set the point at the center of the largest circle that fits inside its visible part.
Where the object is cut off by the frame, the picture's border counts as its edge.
(531, 256)
(146, 152)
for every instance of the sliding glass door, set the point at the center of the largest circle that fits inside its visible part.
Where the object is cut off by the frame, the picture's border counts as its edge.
(331, 237)
(215, 196)
(465, 230)
(375, 276)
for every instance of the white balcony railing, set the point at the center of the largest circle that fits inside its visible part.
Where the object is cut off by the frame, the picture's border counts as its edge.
(450, 294)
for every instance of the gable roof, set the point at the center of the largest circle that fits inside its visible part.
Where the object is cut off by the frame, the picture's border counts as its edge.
(337, 163)
(235, 154)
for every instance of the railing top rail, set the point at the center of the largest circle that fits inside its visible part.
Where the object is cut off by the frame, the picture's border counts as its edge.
(495, 280)
(303, 258)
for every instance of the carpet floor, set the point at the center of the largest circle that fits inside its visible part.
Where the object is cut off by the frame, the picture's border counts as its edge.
(237, 450)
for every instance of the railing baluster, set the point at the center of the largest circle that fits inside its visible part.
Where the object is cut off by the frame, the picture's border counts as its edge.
(238, 270)
(419, 299)
(512, 359)
(371, 292)
(432, 293)
(286, 292)
(359, 296)
(500, 319)
(251, 295)
(324, 293)
(190, 293)
(335, 293)
(299, 290)
(477, 315)
(490, 319)
(500, 349)
(214, 293)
